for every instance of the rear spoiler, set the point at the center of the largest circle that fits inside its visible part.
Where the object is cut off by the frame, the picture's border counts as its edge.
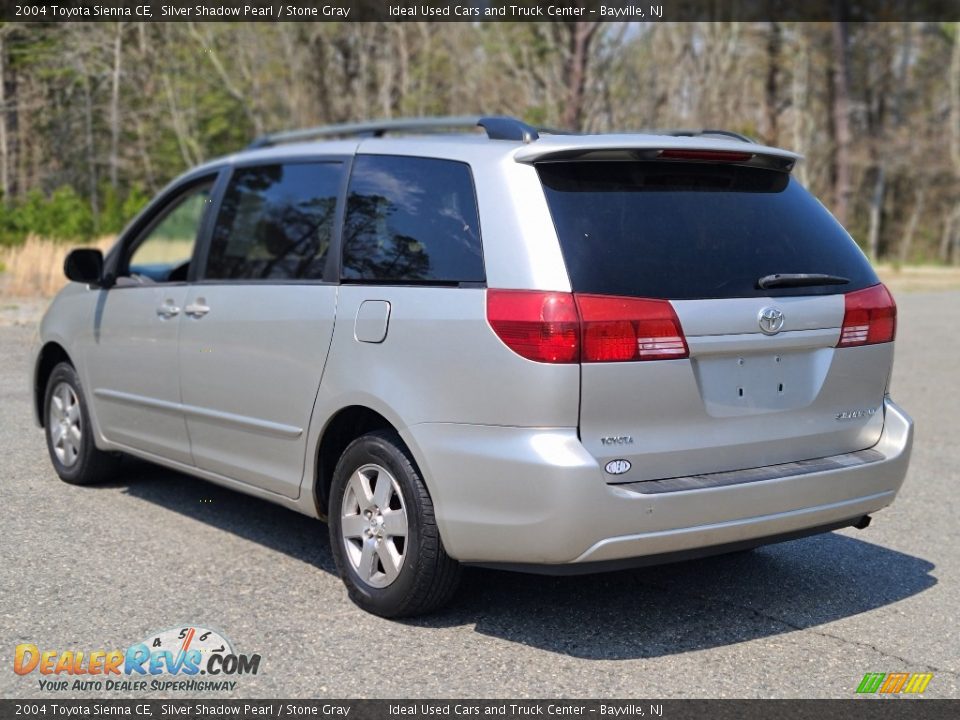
(655, 147)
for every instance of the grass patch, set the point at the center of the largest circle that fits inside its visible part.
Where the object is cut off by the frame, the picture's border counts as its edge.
(35, 268)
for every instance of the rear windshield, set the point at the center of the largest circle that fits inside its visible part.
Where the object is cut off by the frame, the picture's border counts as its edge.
(693, 230)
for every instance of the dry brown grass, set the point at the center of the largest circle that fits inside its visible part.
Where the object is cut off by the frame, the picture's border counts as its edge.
(36, 267)
(910, 278)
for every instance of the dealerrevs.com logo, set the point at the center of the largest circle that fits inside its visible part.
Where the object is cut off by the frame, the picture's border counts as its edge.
(171, 660)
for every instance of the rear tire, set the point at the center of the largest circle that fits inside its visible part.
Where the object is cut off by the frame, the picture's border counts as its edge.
(69, 433)
(383, 532)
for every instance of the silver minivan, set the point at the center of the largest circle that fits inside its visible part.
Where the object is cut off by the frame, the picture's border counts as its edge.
(546, 352)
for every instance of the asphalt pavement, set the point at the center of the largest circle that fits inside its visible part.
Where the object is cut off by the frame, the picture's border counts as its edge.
(104, 567)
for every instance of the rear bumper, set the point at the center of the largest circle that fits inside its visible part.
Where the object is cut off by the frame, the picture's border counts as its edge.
(524, 496)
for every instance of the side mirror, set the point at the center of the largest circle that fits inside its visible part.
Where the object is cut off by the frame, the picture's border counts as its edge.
(84, 265)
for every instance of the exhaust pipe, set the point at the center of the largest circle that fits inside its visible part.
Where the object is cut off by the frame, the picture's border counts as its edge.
(863, 522)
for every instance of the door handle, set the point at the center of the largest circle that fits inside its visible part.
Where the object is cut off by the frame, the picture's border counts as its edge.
(168, 310)
(197, 309)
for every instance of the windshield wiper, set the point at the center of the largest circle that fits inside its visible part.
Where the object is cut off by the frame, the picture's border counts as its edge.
(782, 280)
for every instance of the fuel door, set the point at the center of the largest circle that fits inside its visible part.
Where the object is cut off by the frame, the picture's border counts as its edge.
(373, 317)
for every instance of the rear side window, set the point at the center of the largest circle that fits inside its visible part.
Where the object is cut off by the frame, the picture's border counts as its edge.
(411, 221)
(275, 222)
(693, 230)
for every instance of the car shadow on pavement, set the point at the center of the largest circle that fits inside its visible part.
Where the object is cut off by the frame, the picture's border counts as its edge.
(723, 600)
(648, 612)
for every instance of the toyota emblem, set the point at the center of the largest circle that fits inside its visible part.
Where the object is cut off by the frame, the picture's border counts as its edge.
(771, 321)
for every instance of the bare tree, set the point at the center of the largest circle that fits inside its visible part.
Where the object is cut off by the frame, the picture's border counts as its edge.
(5, 31)
(115, 103)
(772, 86)
(841, 120)
(578, 38)
(950, 247)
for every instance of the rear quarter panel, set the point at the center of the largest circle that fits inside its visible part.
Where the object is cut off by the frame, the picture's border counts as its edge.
(440, 363)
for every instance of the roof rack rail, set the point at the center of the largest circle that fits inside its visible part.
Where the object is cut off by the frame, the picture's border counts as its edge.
(496, 127)
(501, 127)
(705, 131)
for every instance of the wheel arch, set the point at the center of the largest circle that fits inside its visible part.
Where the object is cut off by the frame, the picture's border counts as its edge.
(344, 426)
(50, 355)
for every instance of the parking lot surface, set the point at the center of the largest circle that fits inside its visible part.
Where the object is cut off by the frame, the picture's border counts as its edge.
(103, 567)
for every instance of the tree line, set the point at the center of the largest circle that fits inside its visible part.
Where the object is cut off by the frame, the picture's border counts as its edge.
(96, 117)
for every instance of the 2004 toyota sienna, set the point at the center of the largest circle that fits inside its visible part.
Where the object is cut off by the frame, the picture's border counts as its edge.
(545, 352)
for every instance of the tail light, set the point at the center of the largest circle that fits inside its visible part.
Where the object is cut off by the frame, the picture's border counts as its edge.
(618, 329)
(870, 317)
(541, 326)
(558, 327)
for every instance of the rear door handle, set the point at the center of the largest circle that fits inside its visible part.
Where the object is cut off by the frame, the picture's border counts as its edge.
(168, 310)
(197, 309)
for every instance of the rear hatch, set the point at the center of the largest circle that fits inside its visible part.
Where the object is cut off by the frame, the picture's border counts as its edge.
(706, 345)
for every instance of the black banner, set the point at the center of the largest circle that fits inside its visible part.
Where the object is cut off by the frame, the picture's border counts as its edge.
(865, 709)
(478, 10)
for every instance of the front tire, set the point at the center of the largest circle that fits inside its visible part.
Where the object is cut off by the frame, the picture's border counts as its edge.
(383, 532)
(69, 433)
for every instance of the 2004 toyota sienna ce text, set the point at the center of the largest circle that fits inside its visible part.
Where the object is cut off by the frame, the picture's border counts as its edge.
(544, 352)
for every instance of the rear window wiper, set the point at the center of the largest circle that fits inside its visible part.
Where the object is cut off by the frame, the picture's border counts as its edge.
(782, 280)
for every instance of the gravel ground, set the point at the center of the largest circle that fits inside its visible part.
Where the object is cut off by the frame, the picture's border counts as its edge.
(101, 568)
(20, 312)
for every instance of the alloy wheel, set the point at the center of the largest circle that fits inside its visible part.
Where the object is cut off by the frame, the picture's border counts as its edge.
(66, 424)
(373, 525)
